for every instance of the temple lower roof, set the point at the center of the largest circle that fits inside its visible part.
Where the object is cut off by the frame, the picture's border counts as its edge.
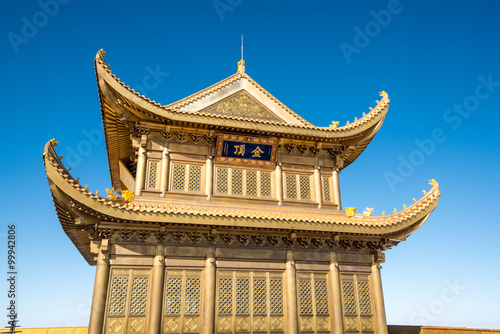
(79, 209)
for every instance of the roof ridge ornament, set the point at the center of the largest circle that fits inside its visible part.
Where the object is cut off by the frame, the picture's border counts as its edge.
(241, 66)
(241, 63)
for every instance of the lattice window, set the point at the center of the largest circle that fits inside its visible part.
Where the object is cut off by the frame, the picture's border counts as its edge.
(251, 183)
(194, 181)
(128, 300)
(313, 303)
(241, 182)
(358, 314)
(364, 298)
(186, 177)
(265, 184)
(179, 177)
(276, 296)
(259, 296)
(139, 296)
(173, 295)
(305, 187)
(326, 190)
(291, 186)
(222, 180)
(225, 295)
(192, 302)
(152, 178)
(118, 299)
(182, 301)
(242, 296)
(349, 298)
(250, 302)
(237, 182)
(321, 294)
(305, 297)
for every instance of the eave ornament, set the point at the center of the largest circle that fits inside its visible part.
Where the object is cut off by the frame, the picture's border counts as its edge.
(350, 211)
(334, 124)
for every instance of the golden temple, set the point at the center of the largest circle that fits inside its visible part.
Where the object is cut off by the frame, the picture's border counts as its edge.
(230, 217)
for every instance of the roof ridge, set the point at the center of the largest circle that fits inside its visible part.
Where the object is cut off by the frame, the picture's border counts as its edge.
(384, 102)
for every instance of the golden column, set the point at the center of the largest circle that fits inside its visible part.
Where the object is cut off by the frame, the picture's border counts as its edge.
(279, 184)
(96, 322)
(378, 297)
(338, 325)
(336, 189)
(291, 293)
(208, 321)
(141, 171)
(158, 277)
(210, 177)
(165, 162)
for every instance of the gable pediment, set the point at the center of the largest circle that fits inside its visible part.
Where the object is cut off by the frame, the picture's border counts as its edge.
(239, 96)
(242, 104)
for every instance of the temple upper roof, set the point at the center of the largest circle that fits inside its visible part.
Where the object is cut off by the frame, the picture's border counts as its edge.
(237, 104)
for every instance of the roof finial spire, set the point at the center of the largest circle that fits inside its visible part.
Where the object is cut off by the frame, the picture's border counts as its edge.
(241, 63)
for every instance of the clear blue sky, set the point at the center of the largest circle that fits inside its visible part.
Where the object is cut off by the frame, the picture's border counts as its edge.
(326, 60)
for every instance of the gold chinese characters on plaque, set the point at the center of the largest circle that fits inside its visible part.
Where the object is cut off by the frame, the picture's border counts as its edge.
(246, 150)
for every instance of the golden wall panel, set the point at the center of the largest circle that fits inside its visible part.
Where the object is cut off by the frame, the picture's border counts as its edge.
(224, 324)
(277, 324)
(172, 325)
(242, 324)
(260, 324)
(115, 326)
(323, 324)
(191, 325)
(136, 325)
(366, 324)
(351, 324)
(307, 324)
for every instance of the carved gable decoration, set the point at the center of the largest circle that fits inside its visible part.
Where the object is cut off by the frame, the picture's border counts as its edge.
(242, 104)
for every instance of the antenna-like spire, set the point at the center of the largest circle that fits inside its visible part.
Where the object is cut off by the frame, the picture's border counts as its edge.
(241, 63)
(241, 46)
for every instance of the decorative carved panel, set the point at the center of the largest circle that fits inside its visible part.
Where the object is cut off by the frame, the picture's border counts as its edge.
(242, 324)
(323, 324)
(224, 324)
(136, 325)
(260, 324)
(172, 325)
(306, 324)
(277, 324)
(241, 104)
(350, 323)
(191, 325)
(115, 325)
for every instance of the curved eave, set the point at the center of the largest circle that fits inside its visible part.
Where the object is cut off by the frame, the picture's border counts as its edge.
(152, 110)
(76, 204)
